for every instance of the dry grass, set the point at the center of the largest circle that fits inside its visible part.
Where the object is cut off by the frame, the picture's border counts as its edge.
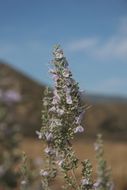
(115, 153)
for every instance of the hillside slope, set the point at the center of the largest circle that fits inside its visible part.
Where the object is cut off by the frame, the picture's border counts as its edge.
(28, 111)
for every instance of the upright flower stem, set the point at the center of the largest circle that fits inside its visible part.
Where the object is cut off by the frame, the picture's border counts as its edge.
(104, 181)
(61, 119)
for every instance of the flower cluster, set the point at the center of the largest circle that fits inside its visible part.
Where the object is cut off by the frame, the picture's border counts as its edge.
(66, 108)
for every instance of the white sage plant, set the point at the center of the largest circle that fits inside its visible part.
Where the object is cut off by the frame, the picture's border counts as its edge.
(61, 120)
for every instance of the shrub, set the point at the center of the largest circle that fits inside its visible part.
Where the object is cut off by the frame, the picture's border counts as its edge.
(9, 139)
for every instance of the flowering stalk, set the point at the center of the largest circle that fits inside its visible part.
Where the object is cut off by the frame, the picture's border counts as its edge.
(27, 173)
(24, 184)
(49, 172)
(61, 120)
(86, 182)
(104, 181)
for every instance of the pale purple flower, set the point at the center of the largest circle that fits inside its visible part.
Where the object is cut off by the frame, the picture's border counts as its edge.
(55, 100)
(68, 96)
(67, 90)
(49, 150)
(79, 118)
(52, 109)
(44, 173)
(12, 96)
(85, 181)
(66, 73)
(39, 134)
(58, 53)
(56, 97)
(55, 77)
(79, 129)
(49, 136)
(60, 111)
(56, 94)
(23, 182)
(97, 184)
(96, 146)
(68, 99)
(68, 81)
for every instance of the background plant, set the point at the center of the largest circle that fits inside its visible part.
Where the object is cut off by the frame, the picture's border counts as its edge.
(9, 139)
(104, 181)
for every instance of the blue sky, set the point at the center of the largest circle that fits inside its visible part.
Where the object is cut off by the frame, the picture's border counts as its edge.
(93, 34)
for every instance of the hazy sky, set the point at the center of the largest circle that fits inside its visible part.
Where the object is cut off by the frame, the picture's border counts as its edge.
(93, 34)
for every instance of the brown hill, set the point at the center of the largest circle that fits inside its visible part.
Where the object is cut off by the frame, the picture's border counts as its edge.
(106, 117)
(28, 111)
